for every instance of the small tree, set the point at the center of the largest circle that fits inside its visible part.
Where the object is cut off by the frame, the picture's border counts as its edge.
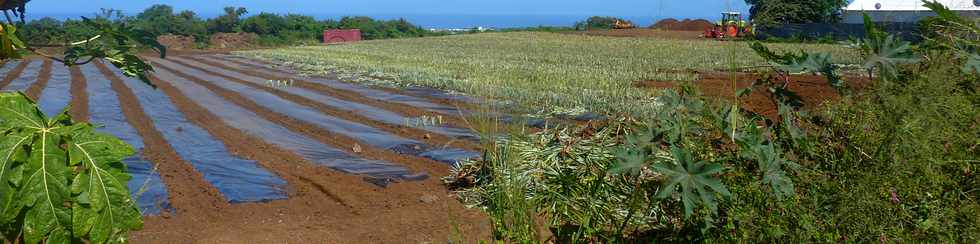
(770, 12)
(227, 23)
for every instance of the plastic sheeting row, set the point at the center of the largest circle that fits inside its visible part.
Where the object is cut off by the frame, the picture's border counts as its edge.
(26, 78)
(375, 171)
(366, 134)
(56, 96)
(393, 97)
(104, 109)
(368, 111)
(239, 180)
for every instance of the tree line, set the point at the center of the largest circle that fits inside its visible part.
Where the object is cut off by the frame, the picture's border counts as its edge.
(272, 28)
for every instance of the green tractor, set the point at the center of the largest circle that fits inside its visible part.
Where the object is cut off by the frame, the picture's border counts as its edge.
(731, 26)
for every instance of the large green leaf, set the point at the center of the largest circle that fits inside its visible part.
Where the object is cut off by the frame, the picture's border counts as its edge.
(972, 65)
(694, 178)
(16, 110)
(886, 54)
(104, 208)
(60, 181)
(9, 43)
(12, 155)
(45, 193)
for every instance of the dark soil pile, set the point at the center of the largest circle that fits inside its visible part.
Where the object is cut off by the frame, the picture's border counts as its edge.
(175, 42)
(233, 40)
(812, 89)
(686, 24)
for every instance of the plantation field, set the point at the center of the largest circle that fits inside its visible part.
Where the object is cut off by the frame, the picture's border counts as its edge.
(546, 72)
(227, 154)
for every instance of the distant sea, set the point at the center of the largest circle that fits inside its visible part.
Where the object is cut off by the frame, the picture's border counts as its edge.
(443, 21)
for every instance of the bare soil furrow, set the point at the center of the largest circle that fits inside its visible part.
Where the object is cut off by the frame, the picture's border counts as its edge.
(444, 99)
(359, 94)
(34, 91)
(79, 96)
(13, 72)
(190, 194)
(239, 180)
(348, 144)
(432, 138)
(21, 77)
(325, 206)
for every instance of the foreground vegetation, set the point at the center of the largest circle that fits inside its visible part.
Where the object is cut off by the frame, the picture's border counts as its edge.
(894, 162)
(543, 72)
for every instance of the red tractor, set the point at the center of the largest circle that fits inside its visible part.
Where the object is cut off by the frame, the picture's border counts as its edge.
(731, 26)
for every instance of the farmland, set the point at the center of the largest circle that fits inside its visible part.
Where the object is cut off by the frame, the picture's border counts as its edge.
(547, 72)
(599, 136)
(224, 157)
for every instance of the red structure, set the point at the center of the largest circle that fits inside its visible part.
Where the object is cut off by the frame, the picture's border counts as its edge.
(340, 36)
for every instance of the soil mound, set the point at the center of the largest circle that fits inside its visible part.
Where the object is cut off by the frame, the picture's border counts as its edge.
(812, 89)
(233, 40)
(175, 42)
(686, 24)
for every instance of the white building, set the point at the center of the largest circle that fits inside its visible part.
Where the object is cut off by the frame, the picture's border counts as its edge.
(903, 10)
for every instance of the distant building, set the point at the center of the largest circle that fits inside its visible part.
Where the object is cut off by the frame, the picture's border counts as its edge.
(903, 11)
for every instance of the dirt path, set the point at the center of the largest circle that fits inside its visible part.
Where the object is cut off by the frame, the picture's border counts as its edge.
(79, 96)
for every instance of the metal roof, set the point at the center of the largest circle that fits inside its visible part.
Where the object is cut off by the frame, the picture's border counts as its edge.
(910, 5)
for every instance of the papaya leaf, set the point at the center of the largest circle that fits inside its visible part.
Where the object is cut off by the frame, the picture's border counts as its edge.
(771, 164)
(694, 178)
(972, 65)
(630, 161)
(9, 43)
(104, 210)
(886, 54)
(45, 192)
(60, 181)
(12, 155)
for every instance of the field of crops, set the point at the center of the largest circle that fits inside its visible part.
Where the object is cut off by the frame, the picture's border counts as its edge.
(230, 151)
(547, 72)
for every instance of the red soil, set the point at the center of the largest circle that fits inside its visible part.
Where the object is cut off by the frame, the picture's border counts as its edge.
(813, 90)
(684, 25)
(648, 33)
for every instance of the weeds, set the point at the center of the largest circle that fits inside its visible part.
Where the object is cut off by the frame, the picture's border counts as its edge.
(894, 163)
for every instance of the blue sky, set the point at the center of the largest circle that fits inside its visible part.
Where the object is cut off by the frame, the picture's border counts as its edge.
(679, 8)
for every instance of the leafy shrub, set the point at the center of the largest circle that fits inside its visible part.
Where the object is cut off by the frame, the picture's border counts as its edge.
(894, 163)
(60, 181)
(599, 23)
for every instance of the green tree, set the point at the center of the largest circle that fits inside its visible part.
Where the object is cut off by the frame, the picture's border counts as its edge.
(229, 22)
(44, 31)
(599, 23)
(770, 12)
(264, 24)
(160, 20)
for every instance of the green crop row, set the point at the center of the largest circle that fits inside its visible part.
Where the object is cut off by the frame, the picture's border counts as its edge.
(544, 72)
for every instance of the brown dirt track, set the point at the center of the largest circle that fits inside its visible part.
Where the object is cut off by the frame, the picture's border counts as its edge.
(813, 90)
(323, 205)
